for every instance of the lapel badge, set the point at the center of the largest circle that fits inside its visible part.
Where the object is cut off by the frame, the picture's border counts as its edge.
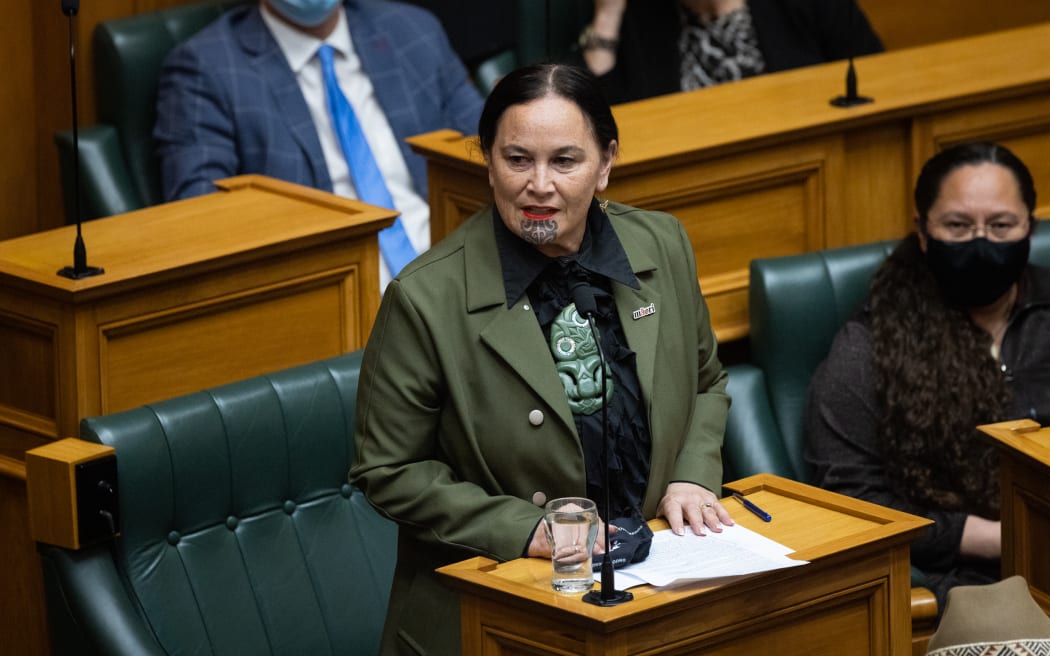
(644, 311)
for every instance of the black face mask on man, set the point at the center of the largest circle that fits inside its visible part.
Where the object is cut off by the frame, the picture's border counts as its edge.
(975, 273)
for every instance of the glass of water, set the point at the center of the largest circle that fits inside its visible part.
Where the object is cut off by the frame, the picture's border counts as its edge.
(572, 525)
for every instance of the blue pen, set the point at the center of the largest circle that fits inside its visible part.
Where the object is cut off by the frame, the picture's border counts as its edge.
(762, 514)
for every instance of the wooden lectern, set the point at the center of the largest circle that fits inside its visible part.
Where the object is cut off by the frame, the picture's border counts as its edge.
(257, 277)
(1024, 502)
(852, 598)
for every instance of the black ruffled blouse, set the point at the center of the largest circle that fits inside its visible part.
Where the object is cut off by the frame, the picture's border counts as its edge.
(547, 281)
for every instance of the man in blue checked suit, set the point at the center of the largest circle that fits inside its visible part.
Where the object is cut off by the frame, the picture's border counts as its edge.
(247, 95)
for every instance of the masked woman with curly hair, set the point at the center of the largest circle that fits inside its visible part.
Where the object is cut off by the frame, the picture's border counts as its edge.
(955, 333)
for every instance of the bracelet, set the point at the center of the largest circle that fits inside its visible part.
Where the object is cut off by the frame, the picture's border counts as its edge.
(590, 41)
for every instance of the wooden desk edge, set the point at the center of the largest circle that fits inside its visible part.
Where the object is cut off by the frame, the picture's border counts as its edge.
(895, 527)
(825, 499)
(890, 71)
(1021, 438)
(367, 219)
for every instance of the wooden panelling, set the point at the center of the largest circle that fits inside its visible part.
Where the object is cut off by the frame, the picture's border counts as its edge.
(28, 345)
(1024, 467)
(766, 167)
(23, 613)
(876, 186)
(740, 205)
(1034, 513)
(198, 293)
(907, 23)
(18, 151)
(34, 91)
(30, 398)
(1022, 124)
(252, 333)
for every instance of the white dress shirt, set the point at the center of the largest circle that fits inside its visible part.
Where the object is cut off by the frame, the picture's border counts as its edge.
(300, 50)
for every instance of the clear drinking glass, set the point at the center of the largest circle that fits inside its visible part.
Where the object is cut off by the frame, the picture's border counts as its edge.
(572, 526)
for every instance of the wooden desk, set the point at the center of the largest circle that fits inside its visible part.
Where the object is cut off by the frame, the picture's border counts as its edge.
(260, 277)
(766, 167)
(1024, 482)
(853, 597)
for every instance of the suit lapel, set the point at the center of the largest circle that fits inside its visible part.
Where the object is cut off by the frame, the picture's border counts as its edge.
(512, 333)
(642, 331)
(272, 68)
(515, 336)
(382, 60)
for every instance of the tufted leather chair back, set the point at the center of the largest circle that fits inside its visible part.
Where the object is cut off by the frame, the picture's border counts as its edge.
(119, 169)
(797, 304)
(240, 533)
(128, 56)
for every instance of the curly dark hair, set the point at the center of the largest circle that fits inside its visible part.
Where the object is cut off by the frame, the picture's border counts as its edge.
(935, 374)
(936, 381)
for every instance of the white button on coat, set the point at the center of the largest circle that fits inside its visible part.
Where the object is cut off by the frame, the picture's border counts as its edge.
(535, 417)
(539, 499)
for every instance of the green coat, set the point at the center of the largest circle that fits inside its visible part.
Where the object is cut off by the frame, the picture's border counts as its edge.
(463, 429)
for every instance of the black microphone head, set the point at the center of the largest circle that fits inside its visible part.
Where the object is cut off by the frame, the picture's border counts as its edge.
(70, 7)
(583, 297)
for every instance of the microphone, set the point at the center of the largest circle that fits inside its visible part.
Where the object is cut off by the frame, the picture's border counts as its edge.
(587, 306)
(851, 99)
(80, 268)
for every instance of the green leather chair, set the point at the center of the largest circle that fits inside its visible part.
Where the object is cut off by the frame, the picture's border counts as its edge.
(239, 531)
(119, 171)
(797, 304)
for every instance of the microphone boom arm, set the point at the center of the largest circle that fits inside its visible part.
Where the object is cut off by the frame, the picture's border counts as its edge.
(80, 268)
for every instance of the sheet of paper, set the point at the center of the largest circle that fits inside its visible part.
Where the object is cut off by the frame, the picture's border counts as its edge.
(736, 551)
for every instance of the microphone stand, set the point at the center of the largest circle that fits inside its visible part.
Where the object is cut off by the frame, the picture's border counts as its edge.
(80, 268)
(608, 595)
(851, 99)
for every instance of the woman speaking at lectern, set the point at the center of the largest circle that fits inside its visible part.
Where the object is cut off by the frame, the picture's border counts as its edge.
(472, 411)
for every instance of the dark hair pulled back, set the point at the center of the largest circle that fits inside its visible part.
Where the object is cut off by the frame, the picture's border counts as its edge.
(941, 165)
(538, 81)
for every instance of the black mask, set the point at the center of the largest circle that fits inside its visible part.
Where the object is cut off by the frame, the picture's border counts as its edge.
(975, 273)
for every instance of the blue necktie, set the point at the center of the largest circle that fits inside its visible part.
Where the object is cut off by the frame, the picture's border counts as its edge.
(394, 244)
